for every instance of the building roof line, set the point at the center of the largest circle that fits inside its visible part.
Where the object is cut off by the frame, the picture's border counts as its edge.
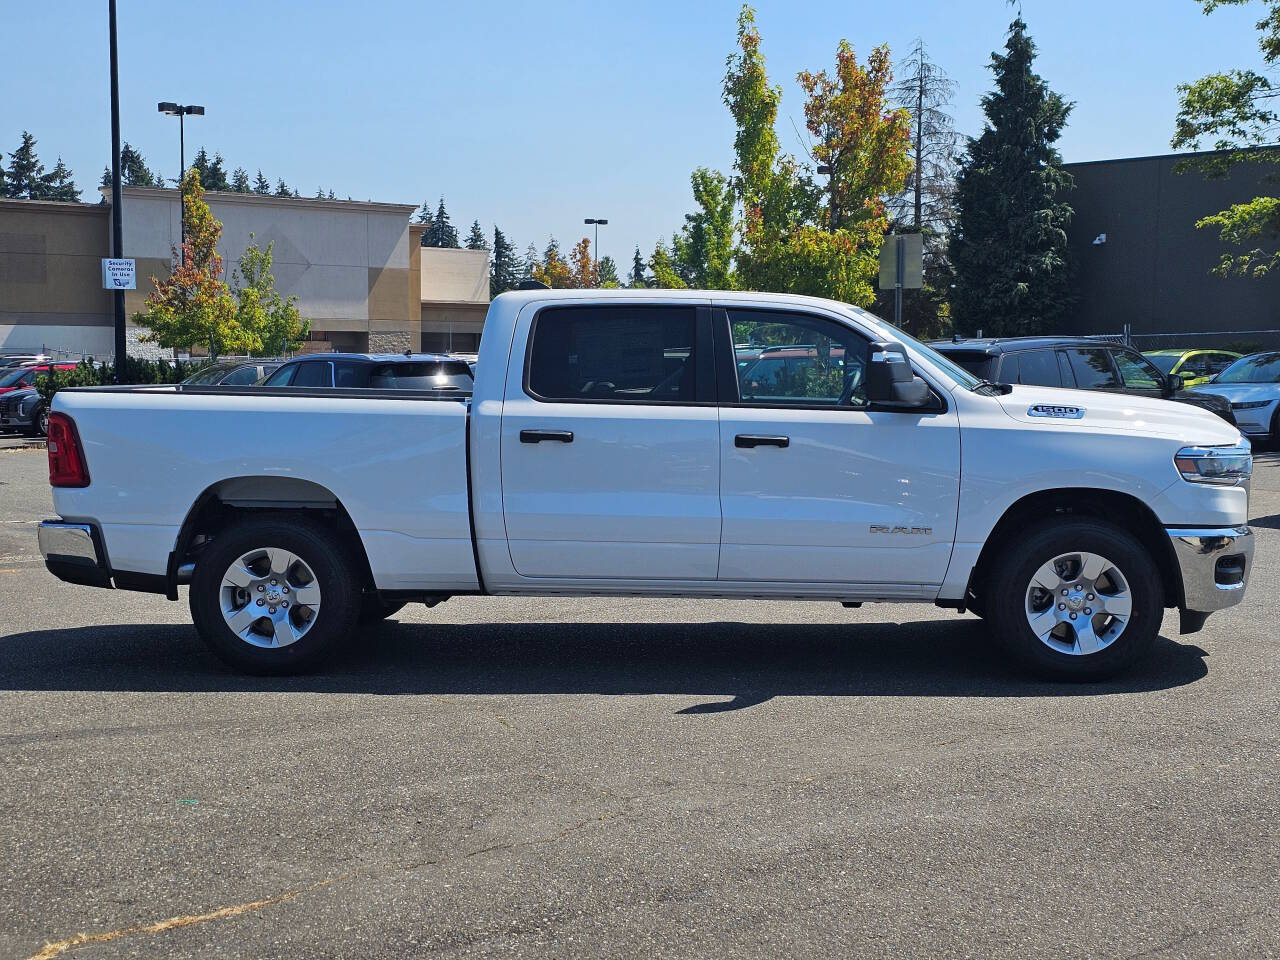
(231, 196)
(1179, 155)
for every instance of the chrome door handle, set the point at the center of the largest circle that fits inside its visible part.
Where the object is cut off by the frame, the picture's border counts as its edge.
(758, 440)
(537, 436)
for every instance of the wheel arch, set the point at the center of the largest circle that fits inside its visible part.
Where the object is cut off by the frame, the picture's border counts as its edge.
(1121, 509)
(231, 498)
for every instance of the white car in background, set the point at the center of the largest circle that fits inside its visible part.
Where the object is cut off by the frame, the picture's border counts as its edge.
(1252, 386)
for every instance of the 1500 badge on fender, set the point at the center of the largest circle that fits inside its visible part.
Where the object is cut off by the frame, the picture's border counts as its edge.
(883, 528)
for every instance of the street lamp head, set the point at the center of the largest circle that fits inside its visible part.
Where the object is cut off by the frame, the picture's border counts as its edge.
(194, 111)
(166, 106)
(590, 220)
(824, 170)
(602, 222)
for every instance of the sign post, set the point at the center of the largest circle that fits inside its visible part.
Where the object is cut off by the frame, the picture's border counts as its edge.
(119, 274)
(901, 267)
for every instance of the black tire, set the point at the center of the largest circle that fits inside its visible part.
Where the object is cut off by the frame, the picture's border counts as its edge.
(375, 610)
(334, 574)
(1012, 578)
(39, 422)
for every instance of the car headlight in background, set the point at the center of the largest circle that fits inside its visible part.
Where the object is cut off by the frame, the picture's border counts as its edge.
(25, 406)
(1251, 405)
(1226, 466)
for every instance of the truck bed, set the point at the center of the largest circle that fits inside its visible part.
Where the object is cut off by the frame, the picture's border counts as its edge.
(394, 461)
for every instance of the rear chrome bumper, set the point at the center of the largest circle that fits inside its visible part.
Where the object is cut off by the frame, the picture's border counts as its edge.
(73, 552)
(1215, 563)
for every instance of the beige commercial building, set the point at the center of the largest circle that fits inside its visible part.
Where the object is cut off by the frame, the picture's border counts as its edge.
(357, 269)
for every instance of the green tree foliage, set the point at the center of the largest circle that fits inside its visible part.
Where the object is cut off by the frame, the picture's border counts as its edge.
(24, 179)
(787, 243)
(608, 274)
(213, 175)
(439, 231)
(1009, 248)
(476, 239)
(665, 274)
(240, 180)
(59, 185)
(136, 370)
(193, 305)
(274, 321)
(531, 261)
(133, 169)
(637, 279)
(552, 269)
(261, 185)
(282, 190)
(703, 249)
(1239, 108)
(504, 265)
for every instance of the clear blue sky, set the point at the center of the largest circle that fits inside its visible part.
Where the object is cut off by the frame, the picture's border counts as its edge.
(537, 115)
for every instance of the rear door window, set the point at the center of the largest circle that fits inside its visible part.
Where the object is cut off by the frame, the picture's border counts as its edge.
(1093, 369)
(282, 376)
(421, 375)
(1037, 368)
(241, 377)
(314, 374)
(617, 354)
(349, 374)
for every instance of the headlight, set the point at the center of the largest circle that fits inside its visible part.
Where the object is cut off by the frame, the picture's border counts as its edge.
(25, 406)
(1251, 405)
(1227, 466)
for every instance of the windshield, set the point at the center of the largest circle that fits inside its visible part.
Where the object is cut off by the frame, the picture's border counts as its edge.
(1164, 361)
(957, 373)
(1260, 368)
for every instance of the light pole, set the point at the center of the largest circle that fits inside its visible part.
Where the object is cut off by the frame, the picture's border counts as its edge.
(598, 224)
(117, 217)
(180, 111)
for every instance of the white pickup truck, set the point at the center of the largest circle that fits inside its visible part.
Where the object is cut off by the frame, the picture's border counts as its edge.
(659, 443)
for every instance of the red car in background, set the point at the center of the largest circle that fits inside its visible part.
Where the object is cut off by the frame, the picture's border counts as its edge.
(18, 377)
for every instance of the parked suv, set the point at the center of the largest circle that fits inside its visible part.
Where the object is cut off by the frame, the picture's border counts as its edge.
(25, 411)
(16, 378)
(1076, 363)
(377, 371)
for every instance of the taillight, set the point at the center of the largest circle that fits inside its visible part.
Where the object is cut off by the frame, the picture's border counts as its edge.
(66, 459)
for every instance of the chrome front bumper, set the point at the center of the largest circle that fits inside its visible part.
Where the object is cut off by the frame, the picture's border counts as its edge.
(1215, 564)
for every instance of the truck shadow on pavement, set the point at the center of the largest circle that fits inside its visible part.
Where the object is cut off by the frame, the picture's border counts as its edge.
(748, 663)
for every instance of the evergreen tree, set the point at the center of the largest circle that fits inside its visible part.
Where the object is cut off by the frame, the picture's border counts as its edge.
(23, 179)
(924, 90)
(504, 265)
(636, 278)
(425, 216)
(332, 196)
(440, 232)
(475, 239)
(213, 176)
(1009, 247)
(553, 269)
(59, 184)
(608, 274)
(133, 169)
(531, 262)
(240, 180)
(261, 185)
(282, 189)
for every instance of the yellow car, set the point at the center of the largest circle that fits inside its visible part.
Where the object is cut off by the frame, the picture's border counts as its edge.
(1193, 366)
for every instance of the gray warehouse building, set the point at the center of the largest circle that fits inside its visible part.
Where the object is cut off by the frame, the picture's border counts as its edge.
(1141, 260)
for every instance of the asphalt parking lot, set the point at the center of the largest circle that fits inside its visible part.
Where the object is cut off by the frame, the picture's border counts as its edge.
(628, 778)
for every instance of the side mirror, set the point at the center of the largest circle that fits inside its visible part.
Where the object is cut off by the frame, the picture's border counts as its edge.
(890, 379)
(1176, 383)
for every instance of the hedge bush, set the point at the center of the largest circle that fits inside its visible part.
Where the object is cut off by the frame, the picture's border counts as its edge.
(88, 374)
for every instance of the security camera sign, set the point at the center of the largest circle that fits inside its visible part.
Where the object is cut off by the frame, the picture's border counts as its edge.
(119, 275)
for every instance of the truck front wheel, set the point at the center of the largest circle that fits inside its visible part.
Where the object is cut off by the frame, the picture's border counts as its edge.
(1076, 599)
(274, 596)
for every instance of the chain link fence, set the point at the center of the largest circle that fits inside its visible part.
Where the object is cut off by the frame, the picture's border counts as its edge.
(1240, 341)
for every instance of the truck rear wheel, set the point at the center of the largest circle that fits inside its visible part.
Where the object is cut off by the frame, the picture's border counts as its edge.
(274, 596)
(1076, 599)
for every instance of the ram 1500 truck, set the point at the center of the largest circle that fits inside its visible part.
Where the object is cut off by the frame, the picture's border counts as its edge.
(617, 443)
